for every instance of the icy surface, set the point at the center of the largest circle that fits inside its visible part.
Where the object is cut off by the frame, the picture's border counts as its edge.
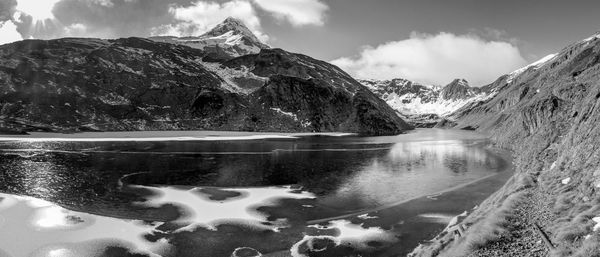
(597, 226)
(44, 224)
(203, 211)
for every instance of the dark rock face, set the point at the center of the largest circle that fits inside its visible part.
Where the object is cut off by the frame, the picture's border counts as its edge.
(138, 84)
(271, 62)
(118, 84)
(317, 95)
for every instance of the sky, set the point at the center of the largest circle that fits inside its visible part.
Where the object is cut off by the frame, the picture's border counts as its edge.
(429, 41)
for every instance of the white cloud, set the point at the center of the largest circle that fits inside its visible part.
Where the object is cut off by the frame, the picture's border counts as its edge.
(76, 29)
(436, 59)
(38, 10)
(297, 12)
(202, 16)
(9, 33)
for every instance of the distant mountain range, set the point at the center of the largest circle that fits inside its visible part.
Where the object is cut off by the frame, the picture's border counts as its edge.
(426, 105)
(225, 79)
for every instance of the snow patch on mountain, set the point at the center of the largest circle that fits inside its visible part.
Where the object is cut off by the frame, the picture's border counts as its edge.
(240, 81)
(411, 98)
(289, 114)
(593, 37)
(231, 37)
(536, 65)
(412, 104)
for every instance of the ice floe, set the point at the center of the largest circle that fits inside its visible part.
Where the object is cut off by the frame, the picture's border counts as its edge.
(37, 224)
(366, 217)
(352, 234)
(597, 226)
(202, 211)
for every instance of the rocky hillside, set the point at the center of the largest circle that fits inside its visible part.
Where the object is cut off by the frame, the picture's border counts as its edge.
(548, 114)
(426, 105)
(77, 84)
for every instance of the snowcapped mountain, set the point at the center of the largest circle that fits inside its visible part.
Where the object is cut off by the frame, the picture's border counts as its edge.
(425, 105)
(227, 40)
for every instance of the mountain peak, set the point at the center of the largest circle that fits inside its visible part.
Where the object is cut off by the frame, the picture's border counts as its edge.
(229, 39)
(230, 23)
(459, 89)
(232, 20)
(235, 27)
(459, 82)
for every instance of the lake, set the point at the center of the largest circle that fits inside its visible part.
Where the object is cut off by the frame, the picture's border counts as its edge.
(238, 194)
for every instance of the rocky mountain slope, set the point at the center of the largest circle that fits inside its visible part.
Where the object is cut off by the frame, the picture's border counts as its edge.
(426, 105)
(227, 40)
(548, 114)
(79, 84)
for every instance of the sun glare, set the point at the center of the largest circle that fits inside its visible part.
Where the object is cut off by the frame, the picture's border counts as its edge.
(40, 10)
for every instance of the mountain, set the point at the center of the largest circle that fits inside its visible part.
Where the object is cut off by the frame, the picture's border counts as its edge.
(458, 89)
(80, 84)
(426, 105)
(547, 113)
(227, 40)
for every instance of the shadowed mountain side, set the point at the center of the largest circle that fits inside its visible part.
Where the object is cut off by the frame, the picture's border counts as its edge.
(77, 84)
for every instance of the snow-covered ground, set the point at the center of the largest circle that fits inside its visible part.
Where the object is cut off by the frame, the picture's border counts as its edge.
(412, 104)
(536, 65)
(419, 99)
(47, 229)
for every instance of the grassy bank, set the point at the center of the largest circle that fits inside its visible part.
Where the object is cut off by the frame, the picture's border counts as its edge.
(548, 116)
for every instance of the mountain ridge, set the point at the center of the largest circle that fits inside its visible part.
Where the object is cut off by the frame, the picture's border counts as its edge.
(426, 105)
(547, 114)
(142, 84)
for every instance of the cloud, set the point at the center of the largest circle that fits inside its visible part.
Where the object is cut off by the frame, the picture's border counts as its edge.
(142, 18)
(38, 10)
(7, 9)
(9, 33)
(202, 16)
(436, 59)
(297, 12)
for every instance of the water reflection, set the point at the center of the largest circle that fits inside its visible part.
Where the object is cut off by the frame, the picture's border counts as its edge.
(414, 169)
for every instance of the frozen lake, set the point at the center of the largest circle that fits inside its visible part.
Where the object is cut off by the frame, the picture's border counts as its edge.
(238, 194)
